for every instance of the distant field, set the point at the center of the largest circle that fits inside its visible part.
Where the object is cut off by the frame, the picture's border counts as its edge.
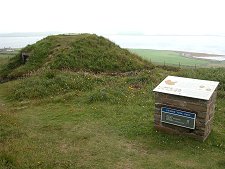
(4, 58)
(173, 58)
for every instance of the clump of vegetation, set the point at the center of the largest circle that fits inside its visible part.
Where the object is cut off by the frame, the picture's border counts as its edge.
(86, 52)
(51, 84)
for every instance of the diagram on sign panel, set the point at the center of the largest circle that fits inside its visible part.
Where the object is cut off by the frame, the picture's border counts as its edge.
(170, 82)
(170, 87)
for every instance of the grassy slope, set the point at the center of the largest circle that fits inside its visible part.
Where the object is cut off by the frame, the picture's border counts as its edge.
(109, 125)
(65, 119)
(173, 58)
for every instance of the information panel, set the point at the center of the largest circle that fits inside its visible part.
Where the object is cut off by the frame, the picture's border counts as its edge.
(178, 117)
(193, 88)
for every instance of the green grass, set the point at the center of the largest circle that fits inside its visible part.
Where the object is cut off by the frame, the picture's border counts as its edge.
(173, 58)
(106, 125)
(57, 118)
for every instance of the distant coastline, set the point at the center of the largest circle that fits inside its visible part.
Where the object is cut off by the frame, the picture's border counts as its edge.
(194, 46)
(196, 55)
(28, 34)
(205, 56)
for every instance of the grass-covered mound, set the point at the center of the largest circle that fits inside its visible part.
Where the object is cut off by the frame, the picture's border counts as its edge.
(87, 52)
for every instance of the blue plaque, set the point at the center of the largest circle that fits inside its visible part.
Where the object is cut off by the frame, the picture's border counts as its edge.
(178, 117)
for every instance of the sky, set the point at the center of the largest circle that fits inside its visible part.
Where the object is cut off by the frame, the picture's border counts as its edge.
(165, 17)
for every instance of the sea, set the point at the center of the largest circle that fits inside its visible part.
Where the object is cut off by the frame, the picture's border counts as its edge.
(199, 44)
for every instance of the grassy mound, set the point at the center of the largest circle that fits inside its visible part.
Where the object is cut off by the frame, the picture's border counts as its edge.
(86, 52)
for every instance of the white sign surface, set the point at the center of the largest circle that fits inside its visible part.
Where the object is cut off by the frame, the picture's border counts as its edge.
(194, 88)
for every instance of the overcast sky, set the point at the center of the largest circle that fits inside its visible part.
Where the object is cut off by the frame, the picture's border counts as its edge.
(114, 16)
